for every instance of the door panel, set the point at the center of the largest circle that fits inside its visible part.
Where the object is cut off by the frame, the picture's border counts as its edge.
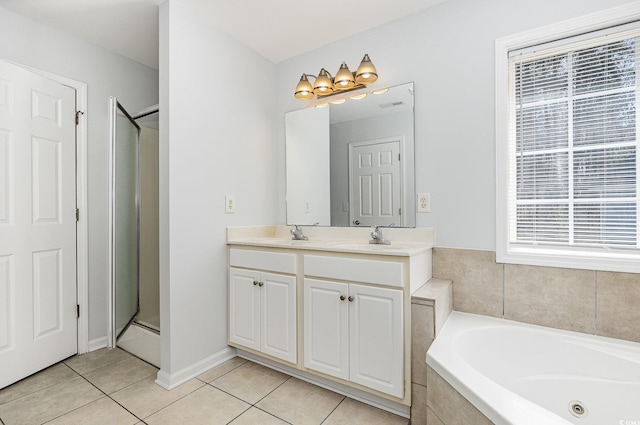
(244, 300)
(376, 338)
(278, 316)
(375, 183)
(38, 325)
(124, 219)
(326, 327)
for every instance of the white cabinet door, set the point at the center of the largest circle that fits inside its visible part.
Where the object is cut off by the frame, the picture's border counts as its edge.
(376, 344)
(278, 316)
(326, 327)
(244, 307)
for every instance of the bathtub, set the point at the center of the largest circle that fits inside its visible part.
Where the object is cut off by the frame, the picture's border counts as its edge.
(522, 374)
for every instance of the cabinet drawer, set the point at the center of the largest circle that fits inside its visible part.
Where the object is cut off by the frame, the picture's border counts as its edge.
(263, 260)
(355, 270)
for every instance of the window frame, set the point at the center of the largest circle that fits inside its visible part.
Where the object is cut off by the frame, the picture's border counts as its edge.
(562, 256)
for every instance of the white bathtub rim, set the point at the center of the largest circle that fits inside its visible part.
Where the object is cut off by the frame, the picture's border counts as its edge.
(497, 403)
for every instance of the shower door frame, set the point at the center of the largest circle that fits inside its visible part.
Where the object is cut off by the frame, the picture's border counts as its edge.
(112, 334)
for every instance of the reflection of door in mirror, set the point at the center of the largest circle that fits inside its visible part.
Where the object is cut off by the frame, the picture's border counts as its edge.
(375, 183)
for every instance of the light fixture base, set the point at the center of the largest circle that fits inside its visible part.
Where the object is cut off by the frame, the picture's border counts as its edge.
(356, 87)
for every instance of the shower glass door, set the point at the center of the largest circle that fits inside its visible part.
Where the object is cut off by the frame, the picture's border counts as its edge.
(124, 220)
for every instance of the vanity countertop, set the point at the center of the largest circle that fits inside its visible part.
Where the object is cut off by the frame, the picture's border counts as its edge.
(347, 240)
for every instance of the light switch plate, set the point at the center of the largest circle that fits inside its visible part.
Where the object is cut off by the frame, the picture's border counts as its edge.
(424, 202)
(230, 204)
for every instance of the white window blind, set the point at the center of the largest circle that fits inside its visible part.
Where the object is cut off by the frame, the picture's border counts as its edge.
(573, 145)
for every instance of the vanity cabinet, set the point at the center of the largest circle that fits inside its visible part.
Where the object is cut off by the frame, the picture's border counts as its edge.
(335, 312)
(355, 332)
(262, 304)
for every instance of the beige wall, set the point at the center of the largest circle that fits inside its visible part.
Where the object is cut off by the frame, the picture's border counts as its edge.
(593, 302)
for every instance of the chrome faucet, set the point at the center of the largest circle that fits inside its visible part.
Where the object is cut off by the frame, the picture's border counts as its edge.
(377, 238)
(296, 234)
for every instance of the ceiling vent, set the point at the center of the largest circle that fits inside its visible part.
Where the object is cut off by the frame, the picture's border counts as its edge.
(391, 104)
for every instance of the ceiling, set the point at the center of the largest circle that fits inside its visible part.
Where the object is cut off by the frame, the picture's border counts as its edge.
(276, 29)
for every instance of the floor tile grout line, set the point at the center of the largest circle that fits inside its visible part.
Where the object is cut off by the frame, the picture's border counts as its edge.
(234, 396)
(41, 389)
(242, 413)
(334, 409)
(218, 377)
(270, 392)
(100, 367)
(164, 407)
(118, 403)
(271, 414)
(79, 407)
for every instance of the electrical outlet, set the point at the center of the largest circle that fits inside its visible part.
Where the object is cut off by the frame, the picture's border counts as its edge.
(307, 206)
(345, 207)
(230, 204)
(424, 202)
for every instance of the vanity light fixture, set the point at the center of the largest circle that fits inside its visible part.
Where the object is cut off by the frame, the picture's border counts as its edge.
(345, 80)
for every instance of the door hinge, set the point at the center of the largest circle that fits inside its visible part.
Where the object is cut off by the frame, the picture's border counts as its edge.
(398, 155)
(399, 211)
(77, 311)
(77, 214)
(78, 113)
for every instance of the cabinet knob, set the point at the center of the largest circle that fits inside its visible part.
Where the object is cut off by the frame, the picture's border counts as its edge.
(350, 299)
(260, 283)
(341, 297)
(255, 282)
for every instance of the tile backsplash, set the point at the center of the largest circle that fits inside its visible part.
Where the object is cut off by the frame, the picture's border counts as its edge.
(594, 302)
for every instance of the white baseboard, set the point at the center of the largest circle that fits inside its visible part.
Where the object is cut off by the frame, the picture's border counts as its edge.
(171, 380)
(98, 343)
(354, 393)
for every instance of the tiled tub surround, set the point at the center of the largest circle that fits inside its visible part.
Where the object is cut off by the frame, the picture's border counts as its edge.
(311, 276)
(593, 302)
(431, 305)
(517, 374)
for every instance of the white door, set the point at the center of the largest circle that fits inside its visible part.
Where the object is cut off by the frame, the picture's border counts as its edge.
(326, 327)
(376, 339)
(375, 183)
(38, 325)
(244, 308)
(278, 316)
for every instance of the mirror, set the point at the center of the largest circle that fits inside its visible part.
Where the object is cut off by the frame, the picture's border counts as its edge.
(352, 164)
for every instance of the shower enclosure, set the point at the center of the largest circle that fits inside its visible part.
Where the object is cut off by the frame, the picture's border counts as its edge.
(134, 304)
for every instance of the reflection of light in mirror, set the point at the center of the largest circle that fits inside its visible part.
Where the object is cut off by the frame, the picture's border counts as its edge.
(339, 101)
(359, 96)
(322, 105)
(380, 91)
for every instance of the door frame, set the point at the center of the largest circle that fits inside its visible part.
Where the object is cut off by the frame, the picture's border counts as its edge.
(82, 229)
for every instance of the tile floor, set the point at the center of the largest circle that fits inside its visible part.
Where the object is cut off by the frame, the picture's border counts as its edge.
(113, 387)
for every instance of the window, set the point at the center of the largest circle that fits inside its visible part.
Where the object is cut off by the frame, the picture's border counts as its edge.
(568, 175)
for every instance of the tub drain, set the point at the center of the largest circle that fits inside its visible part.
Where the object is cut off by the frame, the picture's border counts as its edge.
(578, 409)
